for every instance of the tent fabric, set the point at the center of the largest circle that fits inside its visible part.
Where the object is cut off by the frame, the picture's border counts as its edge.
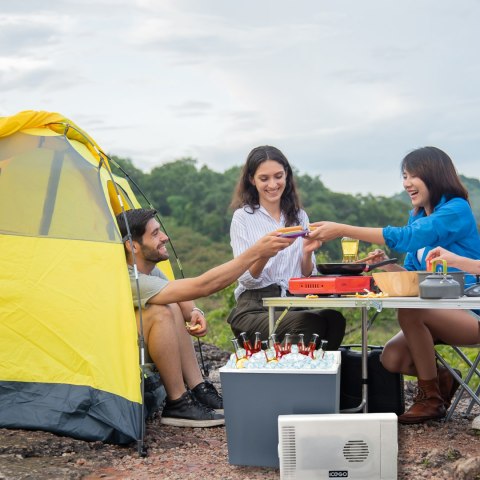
(29, 119)
(75, 411)
(54, 122)
(61, 321)
(69, 358)
(61, 195)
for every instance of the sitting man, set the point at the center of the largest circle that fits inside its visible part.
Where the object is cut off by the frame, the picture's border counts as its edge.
(169, 315)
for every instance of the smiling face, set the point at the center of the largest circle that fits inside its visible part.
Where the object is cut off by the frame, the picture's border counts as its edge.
(153, 247)
(417, 191)
(269, 179)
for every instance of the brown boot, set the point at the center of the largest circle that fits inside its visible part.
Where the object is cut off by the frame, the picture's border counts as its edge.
(447, 384)
(428, 404)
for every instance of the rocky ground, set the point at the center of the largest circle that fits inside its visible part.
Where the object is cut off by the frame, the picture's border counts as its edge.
(434, 450)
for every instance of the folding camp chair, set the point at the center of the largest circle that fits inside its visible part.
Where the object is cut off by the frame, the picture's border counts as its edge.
(466, 383)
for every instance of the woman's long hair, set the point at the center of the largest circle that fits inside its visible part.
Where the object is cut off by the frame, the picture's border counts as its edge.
(246, 194)
(437, 171)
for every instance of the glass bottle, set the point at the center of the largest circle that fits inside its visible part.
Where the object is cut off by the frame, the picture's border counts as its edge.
(257, 344)
(246, 344)
(312, 345)
(276, 345)
(301, 344)
(270, 352)
(287, 344)
(323, 347)
(239, 352)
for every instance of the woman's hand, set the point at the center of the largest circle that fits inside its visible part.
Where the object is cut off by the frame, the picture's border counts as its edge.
(469, 265)
(376, 256)
(439, 253)
(271, 243)
(325, 231)
(310, 245)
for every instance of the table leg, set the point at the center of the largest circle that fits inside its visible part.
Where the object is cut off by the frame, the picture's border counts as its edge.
(364, 403)
(271, 319)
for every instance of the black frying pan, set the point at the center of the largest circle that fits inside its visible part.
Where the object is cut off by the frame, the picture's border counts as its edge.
(350, 268)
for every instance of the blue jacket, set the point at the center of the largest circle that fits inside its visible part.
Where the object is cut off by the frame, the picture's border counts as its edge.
(451, 225)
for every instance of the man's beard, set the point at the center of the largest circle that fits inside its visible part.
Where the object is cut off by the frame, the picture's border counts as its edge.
(153, 255)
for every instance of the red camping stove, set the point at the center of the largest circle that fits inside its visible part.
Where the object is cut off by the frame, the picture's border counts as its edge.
(330, 284)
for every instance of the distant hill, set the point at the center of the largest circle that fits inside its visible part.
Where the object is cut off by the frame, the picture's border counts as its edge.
(473, 187)
(193, 202)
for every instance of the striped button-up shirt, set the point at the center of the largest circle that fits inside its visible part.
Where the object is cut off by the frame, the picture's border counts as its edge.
(246, 228)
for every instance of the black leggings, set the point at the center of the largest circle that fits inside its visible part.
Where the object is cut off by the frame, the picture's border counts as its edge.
(251, 316)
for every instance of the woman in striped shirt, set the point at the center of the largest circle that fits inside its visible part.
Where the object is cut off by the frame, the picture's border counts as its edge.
(265, 200)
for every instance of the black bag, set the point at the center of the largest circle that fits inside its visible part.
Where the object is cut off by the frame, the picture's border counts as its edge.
(385, 389)
(154, 391)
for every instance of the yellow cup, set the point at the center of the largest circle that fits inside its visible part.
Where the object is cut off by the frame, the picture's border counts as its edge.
(349, 249)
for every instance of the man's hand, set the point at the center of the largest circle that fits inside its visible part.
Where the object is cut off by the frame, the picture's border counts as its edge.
(197, 327)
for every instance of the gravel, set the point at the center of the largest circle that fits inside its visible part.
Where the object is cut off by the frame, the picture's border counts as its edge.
(433, 450)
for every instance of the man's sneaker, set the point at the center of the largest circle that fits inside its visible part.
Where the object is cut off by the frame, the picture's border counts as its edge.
(207, 394)
(187, 412)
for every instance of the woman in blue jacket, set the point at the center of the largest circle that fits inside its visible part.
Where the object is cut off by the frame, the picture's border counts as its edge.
(441, 216)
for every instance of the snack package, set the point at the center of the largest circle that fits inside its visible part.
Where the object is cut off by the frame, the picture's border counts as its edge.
(293, 232)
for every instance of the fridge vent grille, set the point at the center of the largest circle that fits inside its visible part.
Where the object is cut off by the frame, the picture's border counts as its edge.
(356, 451)
(289, 453)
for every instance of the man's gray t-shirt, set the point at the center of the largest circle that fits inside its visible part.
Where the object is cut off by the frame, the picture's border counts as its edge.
(149, 285)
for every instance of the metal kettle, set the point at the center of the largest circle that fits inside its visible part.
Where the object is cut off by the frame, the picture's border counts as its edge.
(439, 284)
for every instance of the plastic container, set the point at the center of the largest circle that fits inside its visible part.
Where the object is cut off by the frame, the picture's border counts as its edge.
(253, 400)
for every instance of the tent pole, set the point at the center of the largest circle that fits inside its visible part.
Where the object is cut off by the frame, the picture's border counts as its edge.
(141, 449)
(141, 344)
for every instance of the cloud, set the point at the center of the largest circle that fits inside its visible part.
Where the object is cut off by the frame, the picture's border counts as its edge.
(345, 88)
(22, 34)
(191, 108)
(29, 74)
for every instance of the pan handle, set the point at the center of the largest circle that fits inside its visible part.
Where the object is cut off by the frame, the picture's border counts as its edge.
(380, 264)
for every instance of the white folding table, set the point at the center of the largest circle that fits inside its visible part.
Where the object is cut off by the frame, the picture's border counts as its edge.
(364, 304)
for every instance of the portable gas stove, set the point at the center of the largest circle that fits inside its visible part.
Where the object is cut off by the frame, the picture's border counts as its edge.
(330, 284)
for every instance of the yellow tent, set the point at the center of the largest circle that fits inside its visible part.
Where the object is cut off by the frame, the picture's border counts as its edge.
(69, 359)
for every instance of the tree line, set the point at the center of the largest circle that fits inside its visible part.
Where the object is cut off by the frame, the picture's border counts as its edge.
(193, 204)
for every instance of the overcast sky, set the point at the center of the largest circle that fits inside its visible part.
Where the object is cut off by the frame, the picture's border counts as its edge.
(345, 88)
